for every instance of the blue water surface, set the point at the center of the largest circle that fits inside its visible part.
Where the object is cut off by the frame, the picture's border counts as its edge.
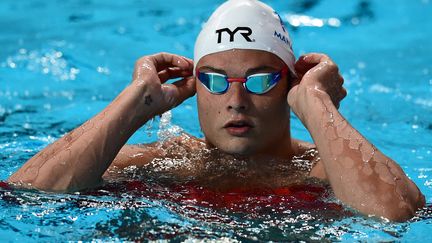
(61, 62)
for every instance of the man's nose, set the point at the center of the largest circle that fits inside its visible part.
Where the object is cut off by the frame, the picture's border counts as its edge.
(238, 97)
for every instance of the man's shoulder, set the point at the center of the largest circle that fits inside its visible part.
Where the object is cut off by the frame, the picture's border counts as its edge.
(300, 147)
(309, 151)
(185, 140)
(143, 154)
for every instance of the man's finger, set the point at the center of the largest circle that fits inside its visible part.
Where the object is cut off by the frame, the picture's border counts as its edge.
(175, 72)
(302, 66)
(190, 61)
(178, 91)
(308, 61)
(165, 60)
(186, 87)
(295, 82)
(290, 94)
(314, 58)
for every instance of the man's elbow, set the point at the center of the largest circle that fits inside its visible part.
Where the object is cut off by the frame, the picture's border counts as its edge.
(59, 184)
(402, 211)
(17, 180)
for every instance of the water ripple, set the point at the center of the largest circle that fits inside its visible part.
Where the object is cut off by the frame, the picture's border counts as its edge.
(48, 62)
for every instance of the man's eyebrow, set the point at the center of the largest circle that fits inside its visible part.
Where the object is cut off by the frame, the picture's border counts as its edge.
(263, 68)
(259, 69)
(216, 70)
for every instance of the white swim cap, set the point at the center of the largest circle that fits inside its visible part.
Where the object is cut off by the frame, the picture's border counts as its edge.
(245, 24)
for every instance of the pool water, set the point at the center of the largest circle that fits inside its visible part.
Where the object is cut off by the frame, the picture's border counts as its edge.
(61, 62)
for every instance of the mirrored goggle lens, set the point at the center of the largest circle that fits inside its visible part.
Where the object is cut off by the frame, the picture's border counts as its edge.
(261, 83)
(214, 82)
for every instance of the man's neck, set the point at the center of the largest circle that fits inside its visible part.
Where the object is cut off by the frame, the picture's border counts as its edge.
(280, 148)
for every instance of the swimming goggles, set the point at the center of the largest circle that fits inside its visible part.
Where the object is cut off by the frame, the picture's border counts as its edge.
(259, 83)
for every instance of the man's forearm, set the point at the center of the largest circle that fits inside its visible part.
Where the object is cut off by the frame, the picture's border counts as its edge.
(79, 159)
(360, 175)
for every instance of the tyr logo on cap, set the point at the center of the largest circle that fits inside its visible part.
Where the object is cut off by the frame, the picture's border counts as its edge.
(244, 31)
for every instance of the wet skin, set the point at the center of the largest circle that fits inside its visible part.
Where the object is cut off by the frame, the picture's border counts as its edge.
(239, 122)
(359, 174)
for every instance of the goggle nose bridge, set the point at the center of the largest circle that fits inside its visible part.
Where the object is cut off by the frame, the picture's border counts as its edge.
(241, 80)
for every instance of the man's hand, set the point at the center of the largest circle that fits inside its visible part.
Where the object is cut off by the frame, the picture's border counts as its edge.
(317, 75)
(151, 74)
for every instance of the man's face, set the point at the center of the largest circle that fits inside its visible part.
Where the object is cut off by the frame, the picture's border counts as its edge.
(239, 122)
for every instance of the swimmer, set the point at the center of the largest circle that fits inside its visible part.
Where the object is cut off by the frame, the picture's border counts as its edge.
(247, 81)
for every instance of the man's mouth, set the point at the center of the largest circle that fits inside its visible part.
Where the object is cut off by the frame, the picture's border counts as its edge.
(238, 127)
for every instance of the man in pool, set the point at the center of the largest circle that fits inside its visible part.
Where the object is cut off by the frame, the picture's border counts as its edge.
(246, 80)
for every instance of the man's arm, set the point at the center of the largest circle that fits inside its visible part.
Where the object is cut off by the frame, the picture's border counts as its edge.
(136, 155)
(360, 175)
(78, 160)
